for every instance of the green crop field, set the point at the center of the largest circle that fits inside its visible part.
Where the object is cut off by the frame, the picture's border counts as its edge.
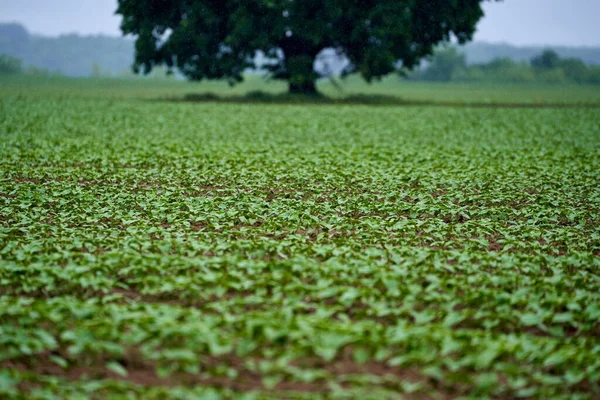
(158, 249)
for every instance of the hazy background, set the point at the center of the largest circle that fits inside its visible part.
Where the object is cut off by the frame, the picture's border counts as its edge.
(518, 22)
(82, 38)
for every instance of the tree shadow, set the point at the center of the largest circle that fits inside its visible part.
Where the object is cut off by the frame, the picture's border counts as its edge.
(261, 97)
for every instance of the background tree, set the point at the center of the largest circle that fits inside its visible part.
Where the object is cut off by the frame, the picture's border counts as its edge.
(449, 64)
(549, 59)
(10, 65)
(446, 65)
(208, 39)
(575, 70)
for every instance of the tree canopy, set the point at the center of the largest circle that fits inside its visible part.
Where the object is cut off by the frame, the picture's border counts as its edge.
(219, 39)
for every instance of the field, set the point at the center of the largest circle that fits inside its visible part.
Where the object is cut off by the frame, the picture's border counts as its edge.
(153, 248)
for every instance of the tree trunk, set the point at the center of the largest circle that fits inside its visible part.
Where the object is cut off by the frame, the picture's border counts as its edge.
(301, 74)
(305, 87)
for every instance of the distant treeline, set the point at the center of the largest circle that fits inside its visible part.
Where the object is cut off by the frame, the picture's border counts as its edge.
(70, 55)
(76, 55)
(14, 66)
(450, 64)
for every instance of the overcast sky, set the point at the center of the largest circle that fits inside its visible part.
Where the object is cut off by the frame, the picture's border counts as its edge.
(519, 22)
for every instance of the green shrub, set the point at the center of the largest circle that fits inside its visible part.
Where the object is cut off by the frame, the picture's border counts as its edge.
(10, 65)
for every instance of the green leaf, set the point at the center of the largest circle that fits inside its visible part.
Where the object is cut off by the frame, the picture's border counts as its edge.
(556, 358)
(8, 382)
(361, 355)
(271, 381)
(531, 319)
(116, 368)
(59, 361)
(487, 357)
(487, 381)
(562, 317)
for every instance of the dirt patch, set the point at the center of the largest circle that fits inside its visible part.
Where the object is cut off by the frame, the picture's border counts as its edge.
(165, 224)
(198, 226)
(128, 294)
(27, 180)
(495, 245)
(455, 218)
(143, 372)
(439, 192)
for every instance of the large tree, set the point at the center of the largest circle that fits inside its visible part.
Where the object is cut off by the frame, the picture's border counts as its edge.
(219, 39)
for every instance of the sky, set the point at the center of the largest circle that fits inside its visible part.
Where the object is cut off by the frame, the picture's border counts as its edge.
(518, 22)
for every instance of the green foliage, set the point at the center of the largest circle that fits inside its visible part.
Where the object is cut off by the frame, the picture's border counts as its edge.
(482, 52)
(502, 70)
(353, 89)
(71, 55)
(449, 64)
(576, 70)
(74, 55)
(551, 66)
(548, 60)
(219, 40)
(156, 249)
(10, 65)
